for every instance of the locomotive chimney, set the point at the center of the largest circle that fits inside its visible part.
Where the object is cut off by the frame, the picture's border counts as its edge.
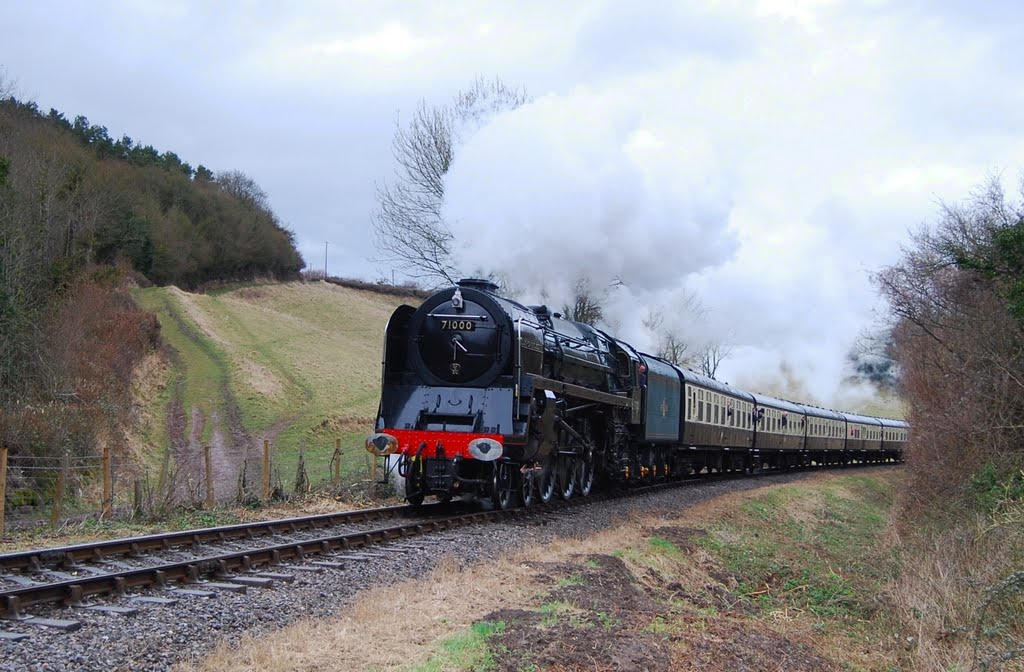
(481, 284)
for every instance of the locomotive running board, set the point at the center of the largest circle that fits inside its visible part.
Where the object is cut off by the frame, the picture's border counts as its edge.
(578, 391)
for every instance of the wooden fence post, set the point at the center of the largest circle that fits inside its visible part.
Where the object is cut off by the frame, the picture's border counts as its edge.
(336, 479)
(137, 498)
(266, 469)
(108, 485)
(58, 495)
(209, 476)
(301, 478)
(3, 484)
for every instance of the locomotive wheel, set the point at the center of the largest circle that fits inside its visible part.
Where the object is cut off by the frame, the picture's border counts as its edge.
(585, 475)
(566, 477)
(528, 487)
(548, 480)
(502, 499)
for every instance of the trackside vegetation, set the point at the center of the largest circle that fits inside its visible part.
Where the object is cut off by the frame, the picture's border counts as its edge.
(793, 576)
(958, 337)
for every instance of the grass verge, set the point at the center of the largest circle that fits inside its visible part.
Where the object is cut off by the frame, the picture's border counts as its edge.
(789, 577)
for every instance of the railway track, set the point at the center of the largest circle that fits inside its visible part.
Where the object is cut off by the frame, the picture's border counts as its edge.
(196, 563)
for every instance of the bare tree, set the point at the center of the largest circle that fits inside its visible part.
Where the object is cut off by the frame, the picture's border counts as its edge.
(587, 306)
(243, 187)
(957, 300)
(710, 357)
(8, 87)
(672, 339)
(672, 348)
(409, 228)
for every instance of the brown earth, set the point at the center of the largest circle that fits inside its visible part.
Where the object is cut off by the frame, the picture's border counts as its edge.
(608, 621)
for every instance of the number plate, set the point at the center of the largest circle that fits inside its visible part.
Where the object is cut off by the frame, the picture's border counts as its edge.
(458, 325)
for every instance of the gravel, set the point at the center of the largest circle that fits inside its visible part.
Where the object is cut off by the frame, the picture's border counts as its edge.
(160, 636)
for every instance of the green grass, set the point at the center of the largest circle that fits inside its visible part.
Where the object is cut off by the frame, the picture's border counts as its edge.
(465, 651)
(663, 545)
(300, 360)
(571, 580)
(811, 547)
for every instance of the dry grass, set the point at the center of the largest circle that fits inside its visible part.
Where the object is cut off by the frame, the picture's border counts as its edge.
(386, 627)
(942, 592)
(149, 379)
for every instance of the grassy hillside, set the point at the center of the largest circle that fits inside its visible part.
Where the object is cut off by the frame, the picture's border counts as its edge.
(293, 363)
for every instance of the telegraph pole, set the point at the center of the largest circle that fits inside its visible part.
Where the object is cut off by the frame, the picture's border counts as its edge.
(325, 259)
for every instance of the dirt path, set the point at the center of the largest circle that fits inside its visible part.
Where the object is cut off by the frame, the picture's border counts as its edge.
(232, 450)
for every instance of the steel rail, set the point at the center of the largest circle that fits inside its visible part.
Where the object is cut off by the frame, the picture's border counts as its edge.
(193, 570)
(70, 556)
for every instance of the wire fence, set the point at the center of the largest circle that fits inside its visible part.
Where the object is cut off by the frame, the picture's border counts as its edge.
(55, 489)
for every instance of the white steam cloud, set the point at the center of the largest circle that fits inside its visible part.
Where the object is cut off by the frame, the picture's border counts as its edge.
(553, 192)
(580, 194)
(768, 181)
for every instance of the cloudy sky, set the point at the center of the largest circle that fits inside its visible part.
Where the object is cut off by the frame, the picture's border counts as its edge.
(766, 156)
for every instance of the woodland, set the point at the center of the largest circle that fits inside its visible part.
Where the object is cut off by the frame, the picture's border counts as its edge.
(83, 217)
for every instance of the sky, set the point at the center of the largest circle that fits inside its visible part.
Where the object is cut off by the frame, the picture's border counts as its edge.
(765, 156)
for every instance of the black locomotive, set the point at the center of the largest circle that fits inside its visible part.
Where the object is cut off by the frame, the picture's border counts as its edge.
(483, 395)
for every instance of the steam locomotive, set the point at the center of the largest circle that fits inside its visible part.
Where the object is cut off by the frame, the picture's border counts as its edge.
(484, 396)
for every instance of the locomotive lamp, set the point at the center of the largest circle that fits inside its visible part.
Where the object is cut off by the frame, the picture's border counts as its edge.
(381, 444)
(485, 450)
